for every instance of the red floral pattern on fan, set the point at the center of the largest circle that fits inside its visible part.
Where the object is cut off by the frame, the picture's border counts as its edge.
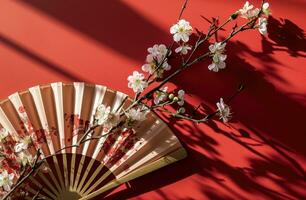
(27, 127)
(125, 142)
(21, 109)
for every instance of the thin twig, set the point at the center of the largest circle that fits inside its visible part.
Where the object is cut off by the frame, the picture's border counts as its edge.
(183, 9)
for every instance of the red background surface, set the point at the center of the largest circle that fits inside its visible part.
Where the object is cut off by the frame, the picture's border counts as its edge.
(259, 155)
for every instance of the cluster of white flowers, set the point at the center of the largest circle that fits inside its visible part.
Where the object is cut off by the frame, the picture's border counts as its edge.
(137, 82)
(137, 114)
(218, 57)
(224, 111)
(156, 60)
(249, 12)
(6, 180)
(101, 114)
(181, 32)
(105, 117)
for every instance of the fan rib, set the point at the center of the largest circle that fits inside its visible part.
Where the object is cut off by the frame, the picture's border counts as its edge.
(98, 98)
(86, 111)
(97, 171)
(43, 177)
(57, 89)
(85, 175)
(79, 90)
(97, 183)
(81, 164)
(58, 98)
(45, 190)
(34, 192)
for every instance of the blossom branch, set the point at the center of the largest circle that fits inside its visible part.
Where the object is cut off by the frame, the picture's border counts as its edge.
(34, 167)
(204, 118)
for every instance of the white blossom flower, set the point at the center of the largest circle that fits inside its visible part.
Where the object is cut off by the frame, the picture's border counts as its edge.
(137, 114)
(101, 114)
(156, 60)
(218, 58)
(183, 49)
(181, 96)
(3, 133)
(265, 9)
(181, 31)
(158, 51)
(136, 82)
(217, 48)
(105, 117)
(112, 120)
(247, 11)
(20, 146)
(262, 25)
(24, 158)
(152, 64)
(253, 13)
(23, 144)
(218, 63)
(224, 111)
(6, 180)
(161, 95)
(246, 8)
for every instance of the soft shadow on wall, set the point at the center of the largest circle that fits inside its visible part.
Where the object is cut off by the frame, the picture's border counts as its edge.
(282, 134)
(40, 60)
(104, 20)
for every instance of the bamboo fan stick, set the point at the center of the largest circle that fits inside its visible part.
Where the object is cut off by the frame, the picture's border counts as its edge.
(88, 168)
(57, 89)
(45, 190)
(96, 172)
(87, 112)
(97, 182)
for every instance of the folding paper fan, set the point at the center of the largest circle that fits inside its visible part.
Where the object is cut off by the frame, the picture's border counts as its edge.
(56, 115)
